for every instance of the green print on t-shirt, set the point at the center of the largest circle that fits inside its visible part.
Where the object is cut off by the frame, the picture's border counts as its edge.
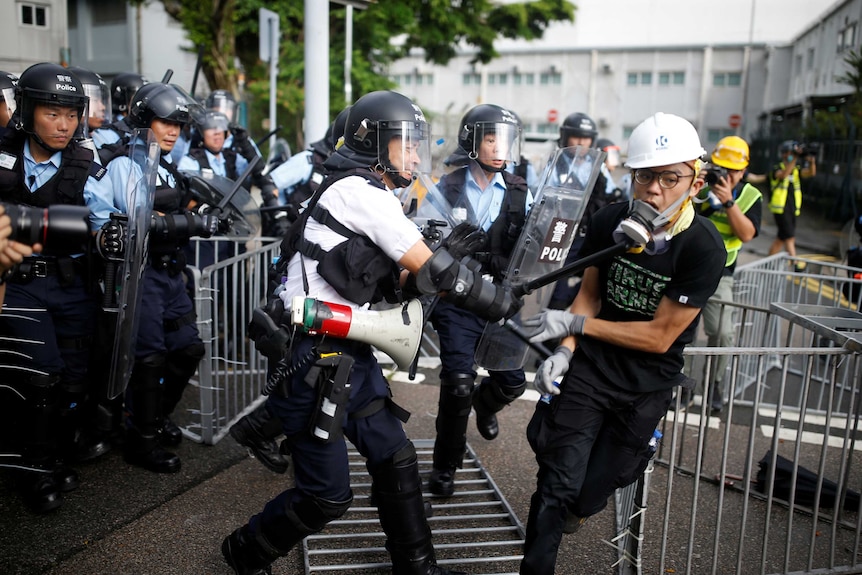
(633, 288)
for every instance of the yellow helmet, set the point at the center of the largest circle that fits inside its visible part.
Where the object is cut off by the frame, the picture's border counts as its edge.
(731, 152)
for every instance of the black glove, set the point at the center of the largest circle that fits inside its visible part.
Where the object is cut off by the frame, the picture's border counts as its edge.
(208, 213)
(206, 225)
(111, 240)
(241, 142)
(465, 240)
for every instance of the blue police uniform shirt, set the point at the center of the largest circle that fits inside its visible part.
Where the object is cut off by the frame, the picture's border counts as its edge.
(104, 136)
(294, 171)
(96, 192)
(532, 176)
(120, 171)
(486, 204)
(216, 162)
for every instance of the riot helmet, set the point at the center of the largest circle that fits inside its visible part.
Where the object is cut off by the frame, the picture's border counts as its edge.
(166, 102)
(386, 131)
(51, 85)
(788, 146)
(99, 107)
(577, 125)
(334, 133)
(8, 81)
(490, 133)
(222, 101)
(123, 88)
(213, 129)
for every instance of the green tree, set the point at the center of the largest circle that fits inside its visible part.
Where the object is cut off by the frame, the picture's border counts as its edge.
(835, 122)
(227, 32)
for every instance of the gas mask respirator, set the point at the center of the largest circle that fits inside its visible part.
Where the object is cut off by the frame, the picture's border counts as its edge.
(645, 226)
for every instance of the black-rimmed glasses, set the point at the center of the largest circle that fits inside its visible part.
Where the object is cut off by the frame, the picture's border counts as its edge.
(666, 179)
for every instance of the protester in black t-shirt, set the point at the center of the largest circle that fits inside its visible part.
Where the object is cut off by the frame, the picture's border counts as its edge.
(621, 355)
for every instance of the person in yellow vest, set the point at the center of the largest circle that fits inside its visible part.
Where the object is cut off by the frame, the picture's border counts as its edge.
(786, 199)
(735, 207)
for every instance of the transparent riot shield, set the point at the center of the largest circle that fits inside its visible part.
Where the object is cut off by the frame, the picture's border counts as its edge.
(552, 223)
(123, 278)
(242, 211)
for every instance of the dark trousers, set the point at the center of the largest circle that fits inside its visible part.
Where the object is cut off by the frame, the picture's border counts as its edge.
(590, 440)
(164, 302)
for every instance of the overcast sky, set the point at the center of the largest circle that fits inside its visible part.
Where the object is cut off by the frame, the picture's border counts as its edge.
(630, 23)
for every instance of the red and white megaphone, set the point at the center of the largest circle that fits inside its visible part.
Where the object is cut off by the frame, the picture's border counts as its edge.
(396, 332)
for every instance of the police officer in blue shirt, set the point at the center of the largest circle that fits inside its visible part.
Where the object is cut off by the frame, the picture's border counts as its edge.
(496, 202)
(168, 345)
(48, 334)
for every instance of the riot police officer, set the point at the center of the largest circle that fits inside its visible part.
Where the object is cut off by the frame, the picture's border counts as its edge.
(168, 345)
(123, 87)
(48, 337)
(578, 129)
(386, 143)
(488, 140)
(7, 99)
(99, 95)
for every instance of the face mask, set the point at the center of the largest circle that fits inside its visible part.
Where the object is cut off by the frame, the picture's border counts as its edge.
(645, 225)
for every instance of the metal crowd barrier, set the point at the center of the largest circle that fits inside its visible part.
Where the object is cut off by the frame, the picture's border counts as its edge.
(230, 280)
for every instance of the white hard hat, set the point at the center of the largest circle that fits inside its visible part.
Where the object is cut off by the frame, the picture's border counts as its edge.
(662, 140)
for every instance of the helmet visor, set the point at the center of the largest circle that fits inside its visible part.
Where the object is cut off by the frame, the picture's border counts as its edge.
(405, 147)
(8, 95)
(99, 108)
(613, 159)
(497, 142)
(225, 106)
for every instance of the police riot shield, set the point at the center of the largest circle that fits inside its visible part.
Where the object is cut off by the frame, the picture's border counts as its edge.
(552, 223)
(241, 209)
(123, 278)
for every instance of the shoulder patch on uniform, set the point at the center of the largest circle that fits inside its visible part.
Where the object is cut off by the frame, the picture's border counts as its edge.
(683, 299)
(7, 160)
(97, 172)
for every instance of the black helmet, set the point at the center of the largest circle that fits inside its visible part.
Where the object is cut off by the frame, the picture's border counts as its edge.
(98, 93)
(8, 81)
(372, 122)
(123, 88)
(335, 132)
(486, 119)
(577, 125)
(222, 101)
(163, 101)
(50, 84)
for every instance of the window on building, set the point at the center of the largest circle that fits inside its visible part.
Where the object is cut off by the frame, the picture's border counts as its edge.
(847, 37)
(550, 78)
(810, 63)
(468, 79)
(627, 132)
(664, 78)
(632, 78)
(33, 15)
(498, 79)
(719, 79)
(678, 78)
(646, 78)
(713, 135)
(734, 78)
(547, 128)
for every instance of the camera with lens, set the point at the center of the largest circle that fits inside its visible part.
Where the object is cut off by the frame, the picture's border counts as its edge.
(61, 229)
(809, 149)
(713, 173)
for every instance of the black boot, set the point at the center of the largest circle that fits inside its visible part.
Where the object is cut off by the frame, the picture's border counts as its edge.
(397, 489)
(489, 399)
(453, 413)
(257, 432)
(244, 555)
(144, 451)
(39, 490)
(180, 367)
(169, 433)
(144, 401)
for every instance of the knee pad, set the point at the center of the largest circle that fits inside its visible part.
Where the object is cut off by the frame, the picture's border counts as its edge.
(455, 393)
(398, 474)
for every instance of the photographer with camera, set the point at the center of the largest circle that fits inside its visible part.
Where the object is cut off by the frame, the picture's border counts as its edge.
(49, 334)
(12, 253)
(735, 208)
(785, 202)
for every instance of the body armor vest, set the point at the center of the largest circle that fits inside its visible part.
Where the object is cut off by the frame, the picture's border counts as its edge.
(229, 156)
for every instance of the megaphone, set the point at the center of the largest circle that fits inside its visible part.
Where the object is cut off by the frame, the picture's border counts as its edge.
(396, 332)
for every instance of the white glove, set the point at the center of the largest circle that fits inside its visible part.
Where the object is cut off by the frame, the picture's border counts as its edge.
(553, 369)
(553, 324)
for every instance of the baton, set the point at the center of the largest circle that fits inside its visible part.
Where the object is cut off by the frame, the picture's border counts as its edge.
(197, 69)
(573, 268)
(237, 184)
(270, 134)
(167, 77)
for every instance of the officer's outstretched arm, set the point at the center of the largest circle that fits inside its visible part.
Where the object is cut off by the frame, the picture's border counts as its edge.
(438, 272)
